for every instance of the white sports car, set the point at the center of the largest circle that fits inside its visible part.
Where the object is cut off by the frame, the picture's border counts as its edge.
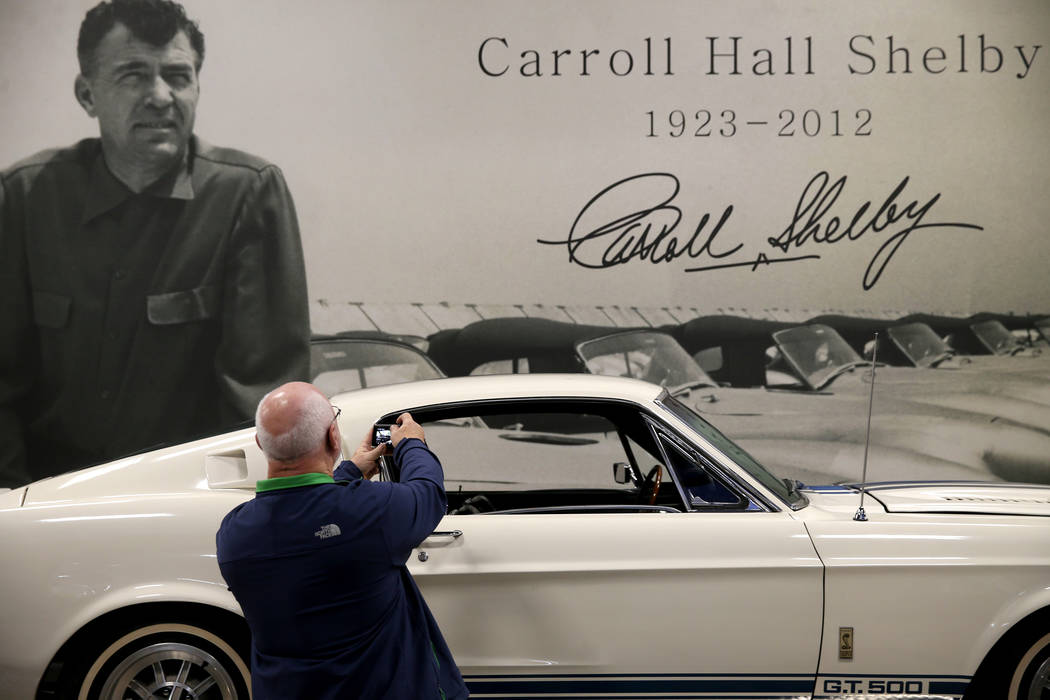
(602, 541)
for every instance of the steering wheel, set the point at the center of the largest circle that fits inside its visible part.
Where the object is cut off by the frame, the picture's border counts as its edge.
(651, 485)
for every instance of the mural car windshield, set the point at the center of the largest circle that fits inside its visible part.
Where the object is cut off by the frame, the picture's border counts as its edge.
(922, 346)
(349, 366)
(784, 488)
(1043, 327)
(652, 357)
(994, 336)
(817, 353)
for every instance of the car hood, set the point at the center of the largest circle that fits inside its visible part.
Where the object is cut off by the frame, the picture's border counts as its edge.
(991, 499)
(930, 497)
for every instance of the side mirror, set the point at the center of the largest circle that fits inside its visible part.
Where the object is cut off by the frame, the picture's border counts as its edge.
(624, 473)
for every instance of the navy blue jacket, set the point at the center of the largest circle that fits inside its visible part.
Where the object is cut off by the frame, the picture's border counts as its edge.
(318, 567)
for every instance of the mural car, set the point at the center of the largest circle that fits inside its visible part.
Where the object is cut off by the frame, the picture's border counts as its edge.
(1042, 328)
(814, 358)
(556, 572)
(996, 339)
(815, 437)
(911, 342)
(357, 359)
(817, 355)
(986, 333)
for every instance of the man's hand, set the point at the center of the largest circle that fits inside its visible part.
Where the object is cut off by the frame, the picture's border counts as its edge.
(406, 427)
(366, 457)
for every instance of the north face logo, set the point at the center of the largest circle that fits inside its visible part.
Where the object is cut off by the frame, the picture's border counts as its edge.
(328, 531)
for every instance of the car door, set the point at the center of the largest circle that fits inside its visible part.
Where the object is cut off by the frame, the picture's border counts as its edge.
(551, 577)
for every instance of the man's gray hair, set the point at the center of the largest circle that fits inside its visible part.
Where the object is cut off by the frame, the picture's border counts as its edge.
(309, 428)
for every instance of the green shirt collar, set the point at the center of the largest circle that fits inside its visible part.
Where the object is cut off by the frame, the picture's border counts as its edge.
(291, 482)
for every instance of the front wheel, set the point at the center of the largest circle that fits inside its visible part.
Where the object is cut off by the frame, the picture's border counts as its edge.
(165, 661)
(1031, 676)
(1018, 667)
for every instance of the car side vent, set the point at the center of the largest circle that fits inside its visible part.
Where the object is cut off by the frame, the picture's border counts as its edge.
(228, 470)
(986, 499)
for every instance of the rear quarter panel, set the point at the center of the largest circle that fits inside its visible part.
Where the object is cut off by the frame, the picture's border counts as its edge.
(68, 563)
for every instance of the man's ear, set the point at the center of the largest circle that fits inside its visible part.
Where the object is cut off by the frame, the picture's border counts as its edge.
(335, 438)
(85, 96)
(257, 441)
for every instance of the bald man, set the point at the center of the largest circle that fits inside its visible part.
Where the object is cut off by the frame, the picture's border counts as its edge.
(317, 560)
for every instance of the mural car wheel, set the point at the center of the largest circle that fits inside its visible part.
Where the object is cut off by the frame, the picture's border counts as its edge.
(166, 661)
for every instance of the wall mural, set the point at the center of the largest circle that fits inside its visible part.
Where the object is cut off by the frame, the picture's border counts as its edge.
(716, 172)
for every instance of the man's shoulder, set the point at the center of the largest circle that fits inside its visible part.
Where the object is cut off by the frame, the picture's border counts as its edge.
(236, 509)
(229, 158)
(233, 522)
(78, 156)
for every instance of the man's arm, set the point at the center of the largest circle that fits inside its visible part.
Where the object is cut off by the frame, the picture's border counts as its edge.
(347, 471)
(266, 321)
(17, 343)
(418, 501)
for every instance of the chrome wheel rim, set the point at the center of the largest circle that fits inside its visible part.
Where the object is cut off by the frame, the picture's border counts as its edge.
(169, 671)
(1040, 688)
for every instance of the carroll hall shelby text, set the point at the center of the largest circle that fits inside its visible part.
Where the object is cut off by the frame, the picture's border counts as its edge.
(501, 56)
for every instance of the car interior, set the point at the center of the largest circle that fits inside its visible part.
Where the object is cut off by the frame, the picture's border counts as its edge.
(566, 457)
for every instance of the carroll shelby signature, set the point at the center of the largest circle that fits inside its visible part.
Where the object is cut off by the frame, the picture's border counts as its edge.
(650, 231)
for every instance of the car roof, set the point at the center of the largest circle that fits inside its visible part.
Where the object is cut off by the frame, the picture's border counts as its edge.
(414, 341)
(855, 330)
(377, 401)
(458, 351)
(713, 331)
(942, 325)
(1010, 321)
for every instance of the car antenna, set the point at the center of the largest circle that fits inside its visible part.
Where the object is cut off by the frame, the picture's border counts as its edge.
(860, 515)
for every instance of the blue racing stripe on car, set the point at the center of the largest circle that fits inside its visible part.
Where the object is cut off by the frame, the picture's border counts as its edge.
(651, 686)
(948, 687)
(837, 685)
(827, 487)
(702, 685)
(883, 485)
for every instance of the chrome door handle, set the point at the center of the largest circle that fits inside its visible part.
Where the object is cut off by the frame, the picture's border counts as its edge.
(446, 533)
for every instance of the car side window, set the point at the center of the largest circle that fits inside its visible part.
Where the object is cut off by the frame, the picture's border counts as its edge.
(529, 459)
(518, 365)
(701, 486)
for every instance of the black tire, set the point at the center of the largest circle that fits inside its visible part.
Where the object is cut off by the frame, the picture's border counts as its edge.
(1018, 667)
(1030, 679)
(154, 660)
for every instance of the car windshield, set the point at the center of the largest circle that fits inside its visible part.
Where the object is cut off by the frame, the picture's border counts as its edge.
(816, 352)
(345, 366)
(730, 449)
(994, 336)
(1043, 327)
(919, 343)
(653, 357)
